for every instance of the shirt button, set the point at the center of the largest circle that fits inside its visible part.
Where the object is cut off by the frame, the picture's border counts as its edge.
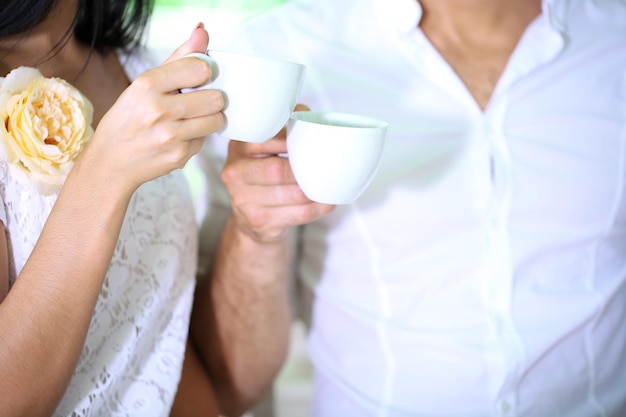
(504, 408)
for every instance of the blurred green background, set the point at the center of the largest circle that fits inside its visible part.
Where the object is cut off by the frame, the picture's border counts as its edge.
(230, 4)
(173, 19)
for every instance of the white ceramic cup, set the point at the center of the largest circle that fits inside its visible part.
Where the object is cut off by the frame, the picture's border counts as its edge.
(334, 156)
(259, 93)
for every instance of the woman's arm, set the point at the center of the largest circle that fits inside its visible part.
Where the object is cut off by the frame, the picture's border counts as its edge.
(45, 316)
(4, 264)
(195, 396)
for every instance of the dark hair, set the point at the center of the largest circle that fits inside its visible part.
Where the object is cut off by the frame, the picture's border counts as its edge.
(104, 25)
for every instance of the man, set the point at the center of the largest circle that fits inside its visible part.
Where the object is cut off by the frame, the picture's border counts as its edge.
(483, 273)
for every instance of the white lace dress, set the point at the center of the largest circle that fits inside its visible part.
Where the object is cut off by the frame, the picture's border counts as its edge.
(132, 358)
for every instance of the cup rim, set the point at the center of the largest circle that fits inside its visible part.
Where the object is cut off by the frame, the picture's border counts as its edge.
(253, 57)
(348, 120)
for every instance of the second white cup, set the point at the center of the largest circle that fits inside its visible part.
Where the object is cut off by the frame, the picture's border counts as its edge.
(259, 93)
(334, 156)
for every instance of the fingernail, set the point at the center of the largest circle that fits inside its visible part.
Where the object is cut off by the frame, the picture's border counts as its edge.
(198, 26)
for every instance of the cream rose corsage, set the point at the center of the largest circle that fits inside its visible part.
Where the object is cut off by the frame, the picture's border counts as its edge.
(46, 123)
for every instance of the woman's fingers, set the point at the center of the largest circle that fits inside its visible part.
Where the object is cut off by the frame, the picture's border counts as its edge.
(195, 104)
(171, 78)
(199, 127)
(197, 42)
(174, 76)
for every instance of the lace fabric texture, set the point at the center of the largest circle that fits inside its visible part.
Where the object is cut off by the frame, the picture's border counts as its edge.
(132, 358)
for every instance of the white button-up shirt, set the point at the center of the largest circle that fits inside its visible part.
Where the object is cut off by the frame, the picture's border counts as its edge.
(483, 273)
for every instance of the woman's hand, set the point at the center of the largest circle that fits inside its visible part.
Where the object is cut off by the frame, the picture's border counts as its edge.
(152, 129)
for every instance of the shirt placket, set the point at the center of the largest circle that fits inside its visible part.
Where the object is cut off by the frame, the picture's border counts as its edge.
(499, 279)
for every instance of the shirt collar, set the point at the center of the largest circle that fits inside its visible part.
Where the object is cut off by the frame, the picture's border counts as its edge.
(555, 12)
(401, 16)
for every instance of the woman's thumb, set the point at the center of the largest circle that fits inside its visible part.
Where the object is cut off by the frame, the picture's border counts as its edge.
(197, 42)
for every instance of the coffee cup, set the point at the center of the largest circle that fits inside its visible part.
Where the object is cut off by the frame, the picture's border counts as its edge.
(259, 93)
(334, 156)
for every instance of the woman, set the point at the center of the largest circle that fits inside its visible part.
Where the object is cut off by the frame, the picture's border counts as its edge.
(97, 279)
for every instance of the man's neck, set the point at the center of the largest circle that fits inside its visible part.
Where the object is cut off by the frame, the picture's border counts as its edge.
(474, 20)
(477, 37)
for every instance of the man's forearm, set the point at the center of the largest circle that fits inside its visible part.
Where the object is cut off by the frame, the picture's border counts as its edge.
(241, 319)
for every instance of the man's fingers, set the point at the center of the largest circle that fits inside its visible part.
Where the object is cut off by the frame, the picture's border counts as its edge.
(301, 107)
